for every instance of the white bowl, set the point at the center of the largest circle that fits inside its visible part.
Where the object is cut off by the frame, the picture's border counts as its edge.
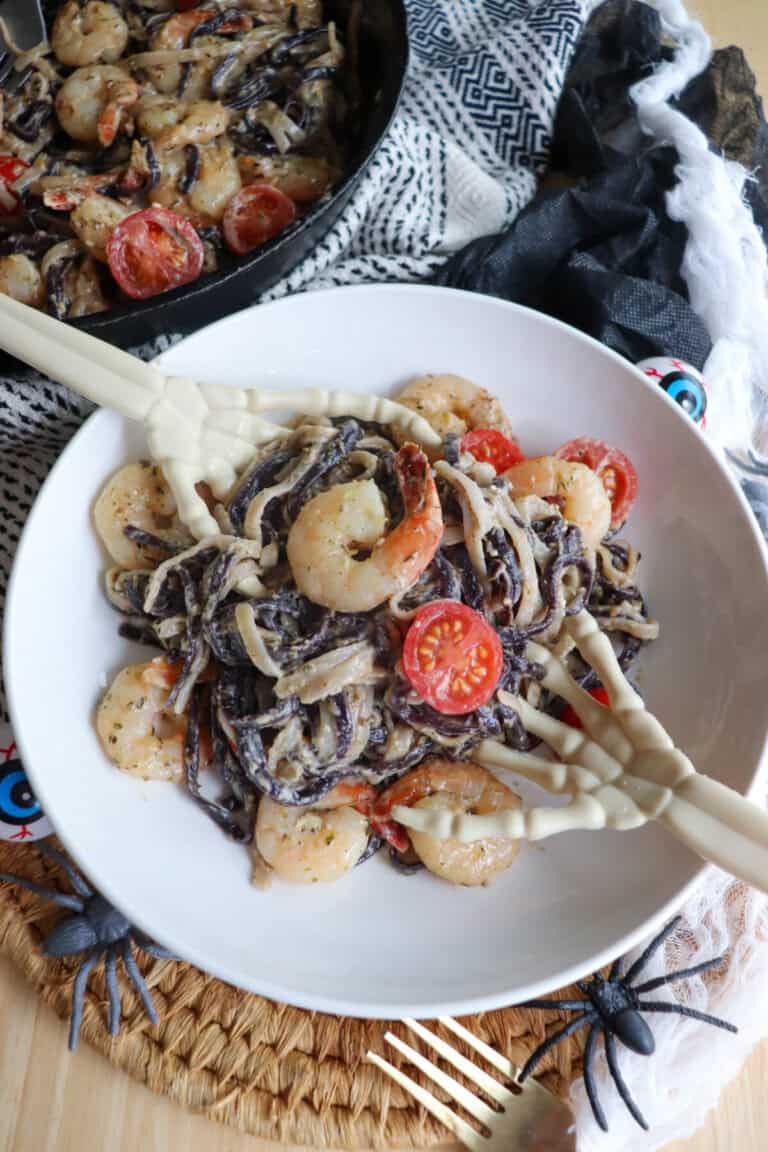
(378, 943)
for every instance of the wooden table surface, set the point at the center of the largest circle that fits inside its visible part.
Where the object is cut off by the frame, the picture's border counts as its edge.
(51, 1101)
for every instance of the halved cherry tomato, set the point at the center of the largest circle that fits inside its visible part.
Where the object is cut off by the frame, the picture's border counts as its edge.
(153, 251)
(10, 170)
(570, 717)
(584, 451)
(616, 471)
(254, 215)
(452, 657)
(491, 447)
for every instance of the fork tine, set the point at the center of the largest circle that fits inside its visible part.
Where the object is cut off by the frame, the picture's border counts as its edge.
(463, 1131)
(490, 1086)
(506, 1067)
(6, 66)
(473, 1104)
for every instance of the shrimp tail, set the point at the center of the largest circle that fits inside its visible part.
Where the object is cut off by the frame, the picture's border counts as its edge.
(123, 94)
(109, 124)
(413, 476)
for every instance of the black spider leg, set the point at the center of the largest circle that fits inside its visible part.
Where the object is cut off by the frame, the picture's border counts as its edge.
(156, 950)
(132, 968)
(76, 880)
(618, 1079)
(681, 1010)
(683, 974)
(653, 947)
(562, 1005)
(78, 993)
(113, 990)
(63, 899)
(615, 972)
(569, 1029)
(589, 1077)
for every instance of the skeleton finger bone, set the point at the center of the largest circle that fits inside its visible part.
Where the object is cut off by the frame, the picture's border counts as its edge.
(627, 708)
(621, 771)
(585, 811)
(556, 778)
(571, 745)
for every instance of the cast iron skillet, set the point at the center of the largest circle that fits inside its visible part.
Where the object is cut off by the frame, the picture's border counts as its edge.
(383, 60)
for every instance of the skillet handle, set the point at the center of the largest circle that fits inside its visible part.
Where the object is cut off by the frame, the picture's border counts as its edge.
(90, 367)
(721, 826)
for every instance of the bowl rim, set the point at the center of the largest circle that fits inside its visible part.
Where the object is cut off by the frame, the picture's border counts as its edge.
(330, 1004)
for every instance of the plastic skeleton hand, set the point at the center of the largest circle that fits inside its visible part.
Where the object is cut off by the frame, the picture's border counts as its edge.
(196, 432)
(621, 771)
(208, 432)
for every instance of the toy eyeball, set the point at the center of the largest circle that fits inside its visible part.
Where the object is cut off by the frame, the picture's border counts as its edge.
(681, 382)
(21, 817)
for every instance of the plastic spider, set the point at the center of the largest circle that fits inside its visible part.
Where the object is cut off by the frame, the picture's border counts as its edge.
(96, 929)
(613, 1007)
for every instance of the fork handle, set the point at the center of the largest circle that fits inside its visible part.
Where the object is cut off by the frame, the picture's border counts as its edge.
(721, 826)
(90, 367)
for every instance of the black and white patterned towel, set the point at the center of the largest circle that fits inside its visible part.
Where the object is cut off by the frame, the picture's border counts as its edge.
(460, 161)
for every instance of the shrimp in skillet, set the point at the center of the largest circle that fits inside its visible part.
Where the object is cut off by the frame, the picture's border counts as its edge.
(92, 102)
(95, 33)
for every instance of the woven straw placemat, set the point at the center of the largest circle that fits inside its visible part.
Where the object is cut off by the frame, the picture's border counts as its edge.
(267, 1069)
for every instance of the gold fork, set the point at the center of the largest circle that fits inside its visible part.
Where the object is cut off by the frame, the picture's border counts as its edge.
(528, 1119)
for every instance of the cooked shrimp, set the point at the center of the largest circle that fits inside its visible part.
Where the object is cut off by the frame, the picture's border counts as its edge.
(65, 192)
(459, 787)
(333, 526)
(20, 278)
(321, 843)
(94, 221)
(91, 103)
(122, 93)
(303, 178)
(137, 496)
(217, 181)
(452, 404)
(197, 122)
(93, 34)
(171, 123)
(585, 501)
(174, 34)
(156, 114)
(136, 729)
